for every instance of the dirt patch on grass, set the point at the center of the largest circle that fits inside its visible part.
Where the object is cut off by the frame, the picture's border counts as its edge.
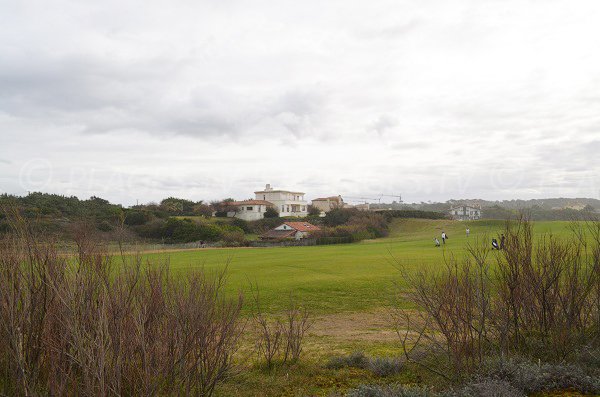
(359, 326)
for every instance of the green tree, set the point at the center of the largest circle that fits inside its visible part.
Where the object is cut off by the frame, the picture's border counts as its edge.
(271, 213)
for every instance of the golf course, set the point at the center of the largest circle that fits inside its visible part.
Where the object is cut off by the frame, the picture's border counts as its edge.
(348, 289)
(344, 277)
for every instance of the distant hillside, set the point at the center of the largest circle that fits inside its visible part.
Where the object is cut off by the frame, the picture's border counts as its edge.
(546, 204)
(537, 209)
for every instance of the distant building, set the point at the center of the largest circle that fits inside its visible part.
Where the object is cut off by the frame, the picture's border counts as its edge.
(326, 204)
(286, 202)
(465, 213)
(290, 230)
(248, 210)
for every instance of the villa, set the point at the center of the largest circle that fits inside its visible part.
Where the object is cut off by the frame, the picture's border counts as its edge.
(285, 202)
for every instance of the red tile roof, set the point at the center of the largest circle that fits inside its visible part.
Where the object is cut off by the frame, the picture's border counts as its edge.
(249, 202)
(277, 234)
(302, 226)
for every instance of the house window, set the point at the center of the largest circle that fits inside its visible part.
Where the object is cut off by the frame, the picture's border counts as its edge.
(283, 208)
(248, 208)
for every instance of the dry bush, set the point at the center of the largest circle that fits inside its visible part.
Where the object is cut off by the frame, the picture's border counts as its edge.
(90, 324)
(541, 301)
(270, 331)
(297, 323)
(280, 337)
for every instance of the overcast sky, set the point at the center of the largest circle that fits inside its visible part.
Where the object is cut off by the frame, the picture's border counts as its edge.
(140, 100)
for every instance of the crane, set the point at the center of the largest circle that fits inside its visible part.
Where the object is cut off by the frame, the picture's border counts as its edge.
(364, 198)
(398, 196)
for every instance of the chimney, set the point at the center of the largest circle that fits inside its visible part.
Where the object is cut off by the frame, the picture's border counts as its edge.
(268, 187)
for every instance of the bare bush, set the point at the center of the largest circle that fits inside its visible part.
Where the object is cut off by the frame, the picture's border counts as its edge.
(543, 299)
(88, 324)
(280, 337)
(297, 323)
(270, 332)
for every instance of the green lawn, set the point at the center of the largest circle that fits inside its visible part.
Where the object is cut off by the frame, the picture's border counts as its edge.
(346, 277)
(346, 286)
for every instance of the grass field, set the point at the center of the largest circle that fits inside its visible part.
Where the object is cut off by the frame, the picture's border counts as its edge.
(346, 277)
(347, 287)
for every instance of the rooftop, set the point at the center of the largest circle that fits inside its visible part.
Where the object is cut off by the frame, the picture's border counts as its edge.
(249, 202)
(302, 226)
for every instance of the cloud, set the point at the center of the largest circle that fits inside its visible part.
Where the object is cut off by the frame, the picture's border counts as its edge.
(384, 123)
(434, 100)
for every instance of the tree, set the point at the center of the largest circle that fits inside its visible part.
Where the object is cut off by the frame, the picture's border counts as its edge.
(271, 213)
(339, 216)
(203, 210)
(314, 211)
(133, 218)
(177, 206)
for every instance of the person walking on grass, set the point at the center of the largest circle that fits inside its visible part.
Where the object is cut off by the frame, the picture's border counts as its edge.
(444, 237)
(437, 242)
(468, 232)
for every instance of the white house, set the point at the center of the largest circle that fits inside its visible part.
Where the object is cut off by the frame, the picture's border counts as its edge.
(248, 210)
(288, 230)
(326, 204)
(286, 202)
(465, 213)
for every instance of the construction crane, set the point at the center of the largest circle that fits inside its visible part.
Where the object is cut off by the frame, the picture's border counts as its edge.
(363, 198)
(399, 197)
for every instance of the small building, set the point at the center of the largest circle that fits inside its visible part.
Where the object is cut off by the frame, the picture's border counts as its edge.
(290, 230)
(287, 203)
(248, 210)
(465, 213)
(326, 204)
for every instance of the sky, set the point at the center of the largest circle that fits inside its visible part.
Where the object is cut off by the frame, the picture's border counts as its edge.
(135, 101)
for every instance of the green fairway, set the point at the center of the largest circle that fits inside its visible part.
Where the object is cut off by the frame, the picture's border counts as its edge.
(346, 277)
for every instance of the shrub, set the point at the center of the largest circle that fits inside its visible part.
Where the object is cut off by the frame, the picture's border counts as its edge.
(313, 211)
(134, 218)
(339, 216)
(271, 212)
(380, 366)
(390, 391)
(175, 230)
(542, 301)
(533, 378)
(233, 238)
(92, 325)
(280, 337)
(242, 224)
(355, 359)
(485, 388)
(104, 226)
(385, 366)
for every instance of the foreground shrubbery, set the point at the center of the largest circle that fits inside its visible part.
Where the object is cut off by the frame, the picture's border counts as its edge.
(502, 378)
(380, 366)
(92, 325)
(541, 300)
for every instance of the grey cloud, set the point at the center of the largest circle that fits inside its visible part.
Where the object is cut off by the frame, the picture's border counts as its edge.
(384, 123)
